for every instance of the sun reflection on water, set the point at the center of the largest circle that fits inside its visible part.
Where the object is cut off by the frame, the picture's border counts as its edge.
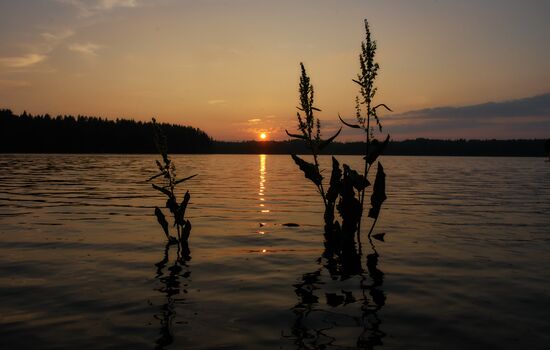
(261, 192)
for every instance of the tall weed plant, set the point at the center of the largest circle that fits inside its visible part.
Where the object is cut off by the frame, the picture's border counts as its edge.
(347, 187)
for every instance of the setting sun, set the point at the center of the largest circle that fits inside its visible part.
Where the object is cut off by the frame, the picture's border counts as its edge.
(263, 136)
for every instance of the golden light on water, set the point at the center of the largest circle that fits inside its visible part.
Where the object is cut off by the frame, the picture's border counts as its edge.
(261, 192)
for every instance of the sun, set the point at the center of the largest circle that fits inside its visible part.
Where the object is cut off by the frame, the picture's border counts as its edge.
(263, 136)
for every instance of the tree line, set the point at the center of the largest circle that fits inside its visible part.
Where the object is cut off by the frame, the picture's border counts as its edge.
(28, 133)
(83, 134)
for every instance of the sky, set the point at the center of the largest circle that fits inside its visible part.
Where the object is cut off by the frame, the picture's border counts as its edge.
(449, 69)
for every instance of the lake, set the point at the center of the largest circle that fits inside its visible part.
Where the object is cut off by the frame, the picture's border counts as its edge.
(465, 262)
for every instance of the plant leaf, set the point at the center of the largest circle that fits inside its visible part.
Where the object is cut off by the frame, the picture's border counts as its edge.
(334, 188)
(296, 135)
(325, 143)
(355, 126)
(161, 168)
(378, 192)
(172, 205)
(358, 82)
(163, 190)
(184, 179)
(154, 176)
(162, 221)
(376, 150)
(382, 105)
(349, 205)
(310, 171)
(335, 181)
(357, 180)
(315, 109)
(181, 209)
(186, 231)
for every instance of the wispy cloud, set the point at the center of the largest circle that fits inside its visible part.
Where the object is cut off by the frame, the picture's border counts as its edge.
(92, 8)
(57, 36)
(216, 102)
(109, 4)
(255, 120)
(11, 84)
(38, 51)
(86, 49)
(22, 61)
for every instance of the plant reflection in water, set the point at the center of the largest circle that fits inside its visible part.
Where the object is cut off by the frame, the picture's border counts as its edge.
(325, 324)
(174, 278)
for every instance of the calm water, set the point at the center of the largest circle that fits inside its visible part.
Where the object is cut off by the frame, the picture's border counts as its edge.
(466, 257)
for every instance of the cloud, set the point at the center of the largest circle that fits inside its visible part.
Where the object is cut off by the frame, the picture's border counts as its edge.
(216, 102)
(274, 130)
(525, 107)
(22, 61)
(110, 4)
(58, 36)
(83, 9)
(255, 120)
(40, 51)
(86, 49)
(92, 8)
(11, 84)
(512, 118)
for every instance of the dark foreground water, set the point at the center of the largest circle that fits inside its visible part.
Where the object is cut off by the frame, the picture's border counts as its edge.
(465, 262)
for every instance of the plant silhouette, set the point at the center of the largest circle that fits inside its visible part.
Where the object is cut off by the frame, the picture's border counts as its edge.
(310, 128)
(347, 187)
(366, 114)
(342, 256)
(168, 173)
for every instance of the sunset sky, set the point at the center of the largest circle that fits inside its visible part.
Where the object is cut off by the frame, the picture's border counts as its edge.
(449, 69)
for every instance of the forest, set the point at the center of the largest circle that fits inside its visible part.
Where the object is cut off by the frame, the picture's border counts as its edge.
(83, 134)
(27, 133)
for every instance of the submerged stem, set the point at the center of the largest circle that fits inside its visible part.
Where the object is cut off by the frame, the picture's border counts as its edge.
(321, 188)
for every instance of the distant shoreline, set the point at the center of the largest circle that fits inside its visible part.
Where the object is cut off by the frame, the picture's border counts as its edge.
(43, 134)
(417, 147)
(253, 154)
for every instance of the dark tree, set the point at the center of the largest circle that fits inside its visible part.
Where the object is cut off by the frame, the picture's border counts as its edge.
(83, 134)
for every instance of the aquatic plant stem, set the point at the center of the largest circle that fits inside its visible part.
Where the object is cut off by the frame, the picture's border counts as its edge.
(365, 174)
(321, 188)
